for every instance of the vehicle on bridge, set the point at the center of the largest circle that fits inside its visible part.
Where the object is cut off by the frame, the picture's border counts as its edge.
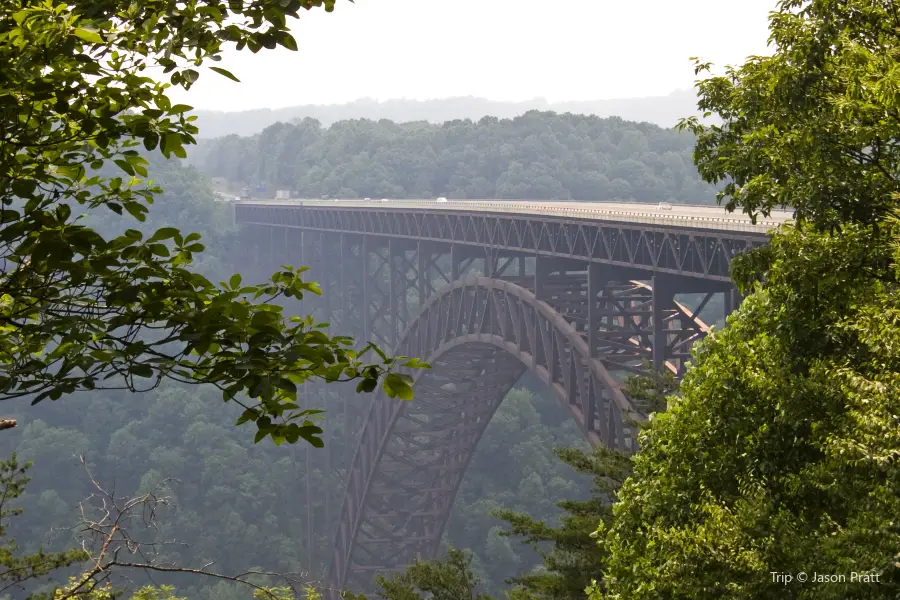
(441, 200)
(665, 206)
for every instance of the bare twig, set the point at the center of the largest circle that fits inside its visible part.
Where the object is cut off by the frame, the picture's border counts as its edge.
(114, 550)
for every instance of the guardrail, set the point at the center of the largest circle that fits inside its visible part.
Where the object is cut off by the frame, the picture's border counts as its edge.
(550, 209)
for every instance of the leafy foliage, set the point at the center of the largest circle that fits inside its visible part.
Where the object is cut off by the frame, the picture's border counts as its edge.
(449, 580)
(573, 557)
(780, 454)
(534, 156)
(814, 126)
(79, 311)
(228, 494)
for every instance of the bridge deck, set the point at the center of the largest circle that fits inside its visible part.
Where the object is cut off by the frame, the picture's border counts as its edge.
(693, 216)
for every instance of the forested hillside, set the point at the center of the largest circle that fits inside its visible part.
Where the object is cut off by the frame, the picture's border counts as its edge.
(244, 505)
(769, 471)
(539, 155)
(664, 111)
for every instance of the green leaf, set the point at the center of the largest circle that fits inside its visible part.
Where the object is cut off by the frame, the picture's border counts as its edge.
(125, 166)
(163, 233)
(159, 249)
(367, 385)
(171, 141)
(247, 415)
(396, 385)
(227, 74)
(92, 37)
(151, 140)
(287, 40)
(23, 188)
(415, 363)
(141, 370)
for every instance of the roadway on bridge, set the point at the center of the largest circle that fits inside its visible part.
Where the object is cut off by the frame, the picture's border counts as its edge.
(679, 215)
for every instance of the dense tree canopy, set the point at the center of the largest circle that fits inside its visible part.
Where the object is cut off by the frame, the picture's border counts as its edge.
(534, 156)
(780, 457)
(815, 125)
(451, 579)
(228, 494)
(79, 311)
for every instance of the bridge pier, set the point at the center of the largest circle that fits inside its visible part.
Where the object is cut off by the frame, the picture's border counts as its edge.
(663, 298)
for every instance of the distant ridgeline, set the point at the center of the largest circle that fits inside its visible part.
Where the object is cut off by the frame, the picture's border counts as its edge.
(664, 111)
(539, 155)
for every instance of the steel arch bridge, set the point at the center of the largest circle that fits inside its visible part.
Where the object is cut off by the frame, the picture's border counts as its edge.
(484, 294)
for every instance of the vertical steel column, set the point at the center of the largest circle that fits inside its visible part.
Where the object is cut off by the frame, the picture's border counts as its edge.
(302, 241)
(344, 254)
(364, 258)
(422, 263)
(304, 237)
(490, 262)
(260, 254)
(271, 237)
(309, 519)
(733, 301)
(541, 271)
(662, 299)
(324, 276)
(728, 304)
(595, 285)
(325, 394)
(454, 263)
(392, 293)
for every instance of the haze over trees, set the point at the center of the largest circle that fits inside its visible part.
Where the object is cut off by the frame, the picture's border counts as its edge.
(664, 111)
(778, 453)
(534, 156)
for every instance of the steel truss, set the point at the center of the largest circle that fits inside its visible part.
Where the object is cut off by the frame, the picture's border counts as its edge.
(482, 315)
(481, 335)
(673, 250)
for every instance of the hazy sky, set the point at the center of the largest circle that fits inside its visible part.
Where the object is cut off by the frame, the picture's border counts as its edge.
(498, 49)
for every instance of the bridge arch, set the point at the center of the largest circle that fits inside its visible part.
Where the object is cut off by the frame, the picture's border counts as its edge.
(480, 335)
